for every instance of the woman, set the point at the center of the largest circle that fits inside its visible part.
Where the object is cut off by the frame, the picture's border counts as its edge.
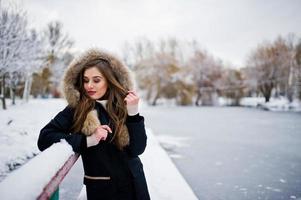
(109, 137)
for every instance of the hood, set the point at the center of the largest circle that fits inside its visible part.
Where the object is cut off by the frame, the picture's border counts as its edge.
(69, 90)
(72, 94)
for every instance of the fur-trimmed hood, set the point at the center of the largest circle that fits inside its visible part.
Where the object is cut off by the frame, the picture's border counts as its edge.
(72, 94)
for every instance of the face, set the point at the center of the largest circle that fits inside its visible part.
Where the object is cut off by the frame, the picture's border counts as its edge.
(95, 83)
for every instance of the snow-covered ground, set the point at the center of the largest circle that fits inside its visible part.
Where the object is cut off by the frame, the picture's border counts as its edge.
(20, 128)
(275, 104)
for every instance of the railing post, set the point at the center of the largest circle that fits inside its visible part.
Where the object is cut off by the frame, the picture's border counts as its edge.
(55, 195)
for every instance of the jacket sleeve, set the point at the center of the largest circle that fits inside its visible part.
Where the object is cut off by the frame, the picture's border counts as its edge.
(137, 133)
(59, 128)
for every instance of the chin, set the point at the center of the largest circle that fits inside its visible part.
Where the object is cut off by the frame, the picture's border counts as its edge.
(95, 98)
(99, 97)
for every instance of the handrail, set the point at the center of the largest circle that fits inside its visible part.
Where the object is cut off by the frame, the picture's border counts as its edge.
(41, 176)
(54, 183)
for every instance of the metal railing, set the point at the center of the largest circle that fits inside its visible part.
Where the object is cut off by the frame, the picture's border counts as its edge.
(51, 190)
(41, 176)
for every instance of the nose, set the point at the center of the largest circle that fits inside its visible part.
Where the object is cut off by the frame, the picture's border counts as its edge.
(90, 85)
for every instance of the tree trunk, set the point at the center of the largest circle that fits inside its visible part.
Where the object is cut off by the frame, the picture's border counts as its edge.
(157, 92)
(207, 98)
(299, 83)
(155, 99)
(3, 93)
(267, 98)
(27, 88)
(13, 95)
(198, 97)
(266, 90)
(290, 94)
(290, 91)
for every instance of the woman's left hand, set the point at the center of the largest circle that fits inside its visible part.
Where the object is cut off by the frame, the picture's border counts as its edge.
(132, 101)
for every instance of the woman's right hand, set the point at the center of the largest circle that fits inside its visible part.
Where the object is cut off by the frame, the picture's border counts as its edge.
(101, 133)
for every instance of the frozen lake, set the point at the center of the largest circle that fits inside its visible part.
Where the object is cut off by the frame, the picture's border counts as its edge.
(232, 153)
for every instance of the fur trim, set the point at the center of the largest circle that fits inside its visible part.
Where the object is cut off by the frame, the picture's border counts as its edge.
(91, 123)
(72, 95)
(124, 138)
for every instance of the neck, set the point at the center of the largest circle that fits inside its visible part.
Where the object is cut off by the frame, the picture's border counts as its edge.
(102, 102)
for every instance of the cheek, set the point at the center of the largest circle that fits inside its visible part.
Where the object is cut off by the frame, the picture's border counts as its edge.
(106, 86)
(86, 87)
(103, 87)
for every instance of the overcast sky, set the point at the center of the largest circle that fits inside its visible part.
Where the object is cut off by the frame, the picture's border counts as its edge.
(228, 29)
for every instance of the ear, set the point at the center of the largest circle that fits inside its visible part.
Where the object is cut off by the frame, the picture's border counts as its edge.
(91, 123)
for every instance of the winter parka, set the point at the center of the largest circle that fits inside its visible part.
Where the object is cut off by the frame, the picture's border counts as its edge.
(110, 173)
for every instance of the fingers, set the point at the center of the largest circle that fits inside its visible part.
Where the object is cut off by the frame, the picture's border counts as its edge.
(131, 98)
(101, 132)
(103, 138)
(132, 92)
(107, 128)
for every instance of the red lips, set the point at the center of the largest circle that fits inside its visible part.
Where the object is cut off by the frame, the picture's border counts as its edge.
(90, 93)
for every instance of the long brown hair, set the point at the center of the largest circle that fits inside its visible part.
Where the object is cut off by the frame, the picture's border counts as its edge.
(114, 95)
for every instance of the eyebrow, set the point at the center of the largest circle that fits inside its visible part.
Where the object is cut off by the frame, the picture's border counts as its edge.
(94, 77)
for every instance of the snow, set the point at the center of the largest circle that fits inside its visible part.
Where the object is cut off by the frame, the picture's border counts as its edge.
(38, 171)
(251, 101)
(162, 175)
(172, 142)
(275, 104)
(20, 126)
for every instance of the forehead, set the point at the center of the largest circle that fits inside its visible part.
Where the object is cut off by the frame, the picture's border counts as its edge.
(92, 71)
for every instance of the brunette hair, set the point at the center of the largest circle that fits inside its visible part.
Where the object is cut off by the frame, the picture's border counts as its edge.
(114, 95)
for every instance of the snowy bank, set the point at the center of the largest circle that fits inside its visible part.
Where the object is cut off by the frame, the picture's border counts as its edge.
(28, 181)
(20, 126)
(275, 104)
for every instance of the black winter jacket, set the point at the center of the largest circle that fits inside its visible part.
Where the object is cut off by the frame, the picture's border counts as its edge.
(127, 180)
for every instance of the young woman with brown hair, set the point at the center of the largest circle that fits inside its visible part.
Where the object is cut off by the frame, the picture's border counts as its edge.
(102, 123)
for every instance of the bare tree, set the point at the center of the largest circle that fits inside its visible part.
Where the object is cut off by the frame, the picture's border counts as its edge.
(262, 62)
(34, 61)
(13, 36)
(154, 74)
(206, 75)
(274, 68)
(233, 86)
(57, 44)
(298, 69)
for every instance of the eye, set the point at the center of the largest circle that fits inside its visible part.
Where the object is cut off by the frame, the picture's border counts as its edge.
(86, 80)
(96, 80)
